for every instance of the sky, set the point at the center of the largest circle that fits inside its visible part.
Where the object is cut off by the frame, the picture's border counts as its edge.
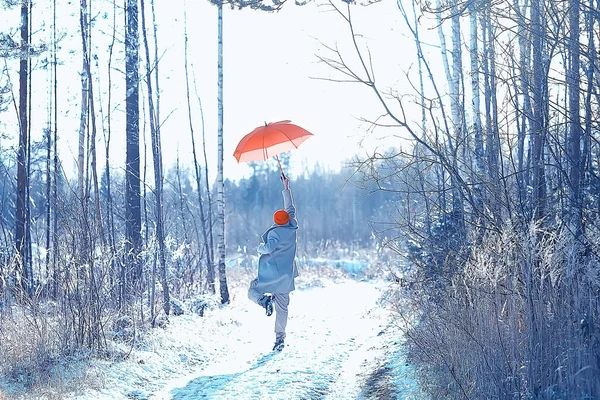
(271, 73)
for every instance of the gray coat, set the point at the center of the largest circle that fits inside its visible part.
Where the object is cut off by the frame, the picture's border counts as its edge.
(276, 266)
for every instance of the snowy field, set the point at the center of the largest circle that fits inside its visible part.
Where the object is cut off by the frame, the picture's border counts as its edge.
(340, 345)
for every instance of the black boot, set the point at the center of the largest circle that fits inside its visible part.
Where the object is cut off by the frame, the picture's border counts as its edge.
(267, 302)
(278, 344)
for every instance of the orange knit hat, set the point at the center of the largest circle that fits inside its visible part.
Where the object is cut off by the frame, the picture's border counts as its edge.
(281, 217)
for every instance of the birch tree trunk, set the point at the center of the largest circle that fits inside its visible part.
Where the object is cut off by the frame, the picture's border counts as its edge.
(85, 84)
(220, 184)
(476, 106)
(28, 201)
(85, 242)
(48, 140)
(453, 77)
(55, 275)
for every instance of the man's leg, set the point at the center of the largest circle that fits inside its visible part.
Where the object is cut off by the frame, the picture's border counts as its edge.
(282, 300)
(254, 294)
(260, 298)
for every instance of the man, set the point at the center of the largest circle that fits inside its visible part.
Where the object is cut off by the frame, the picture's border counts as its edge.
(276, 267)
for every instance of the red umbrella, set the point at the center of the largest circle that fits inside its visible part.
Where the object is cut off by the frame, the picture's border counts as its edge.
(270, 140)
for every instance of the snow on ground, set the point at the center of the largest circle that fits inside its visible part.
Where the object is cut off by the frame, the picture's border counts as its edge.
(338, 341)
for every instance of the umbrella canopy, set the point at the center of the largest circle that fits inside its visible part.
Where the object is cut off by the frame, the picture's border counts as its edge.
(270, 140)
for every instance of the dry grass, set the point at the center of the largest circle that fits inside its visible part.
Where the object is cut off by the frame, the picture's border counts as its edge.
(516, 322)
(36, 360)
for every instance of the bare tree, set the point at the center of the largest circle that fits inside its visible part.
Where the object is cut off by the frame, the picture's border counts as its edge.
(21, 224)
(476, 102)
(132, 164)
(85, 97)
(538, 124)
(110, 221)
(158, 171)
(55, 248)
(210, 270)
(574, 145)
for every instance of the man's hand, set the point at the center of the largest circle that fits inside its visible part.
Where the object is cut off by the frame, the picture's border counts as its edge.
(285, 181)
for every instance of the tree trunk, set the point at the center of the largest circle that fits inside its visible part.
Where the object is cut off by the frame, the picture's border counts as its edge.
(574, 140)
(220, 184)
(423, 120)
(476, 108)
(491, 134)
(587, 141)
(55, 248)
(453, 77)
(28, 203)
(526, 114)
(208, 191)
(85, 85)
(158, 173)
(22, 156)
(92, 113)
(48, 199)
(132, 162)
(85, 238)
(538, 124)
(109, 206)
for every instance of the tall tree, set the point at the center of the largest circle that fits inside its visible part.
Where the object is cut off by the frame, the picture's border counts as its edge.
(133, 217)
(524, 112)
(538, 123)
(85, 96)
(491, 132)
(21, 223)
(220, 184)
(107, 175)
(55, 169)
(454, 78)
(48, 140)
(476, 104)
(158, 170)
(574, 145)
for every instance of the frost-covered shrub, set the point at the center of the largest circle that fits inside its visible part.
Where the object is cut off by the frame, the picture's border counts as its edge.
(438, 256)
(176, 307)
(200, 304)
(124, 328)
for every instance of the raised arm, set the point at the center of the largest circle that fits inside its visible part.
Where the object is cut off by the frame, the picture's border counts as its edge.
(288, 201)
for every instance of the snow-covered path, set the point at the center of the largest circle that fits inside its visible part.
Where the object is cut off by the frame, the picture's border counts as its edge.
(335, 338)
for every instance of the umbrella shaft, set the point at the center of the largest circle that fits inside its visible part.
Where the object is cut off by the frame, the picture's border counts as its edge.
(279, 162)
